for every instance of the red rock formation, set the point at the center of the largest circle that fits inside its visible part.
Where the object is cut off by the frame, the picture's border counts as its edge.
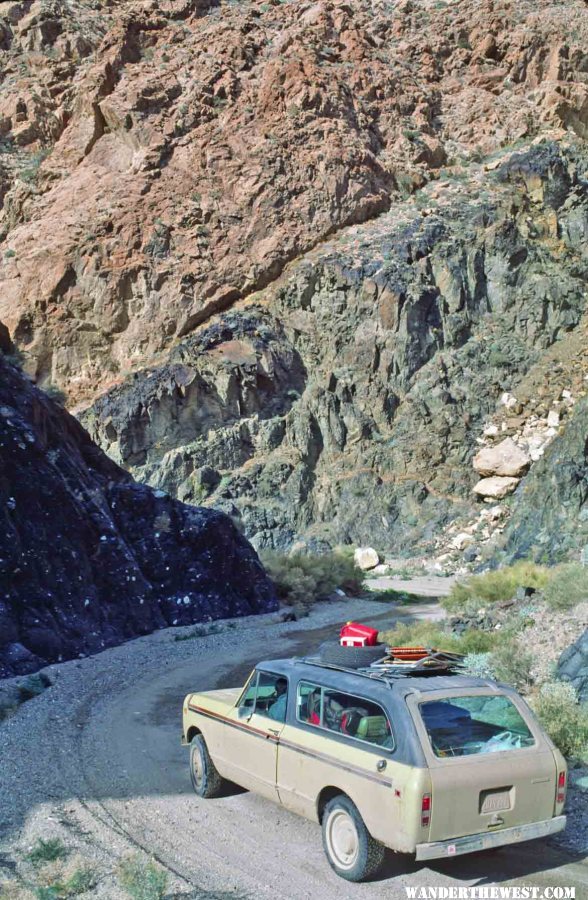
(163, 159)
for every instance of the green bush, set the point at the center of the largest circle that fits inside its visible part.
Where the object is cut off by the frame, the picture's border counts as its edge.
(512, 664)
(142, 880)
(567, 587)
(497, 585)
(47, 851)
(303, 579)
(564, 719)
(479, 665)
(429, 634)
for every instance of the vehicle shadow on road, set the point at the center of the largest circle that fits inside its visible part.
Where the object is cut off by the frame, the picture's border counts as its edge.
(488, 867)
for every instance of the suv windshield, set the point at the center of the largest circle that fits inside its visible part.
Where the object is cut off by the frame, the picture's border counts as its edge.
(461, 726)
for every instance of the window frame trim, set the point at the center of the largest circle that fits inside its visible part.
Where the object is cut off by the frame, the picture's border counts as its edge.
(341, 734)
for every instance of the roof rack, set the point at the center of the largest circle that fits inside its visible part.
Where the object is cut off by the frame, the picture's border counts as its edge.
(435, 663)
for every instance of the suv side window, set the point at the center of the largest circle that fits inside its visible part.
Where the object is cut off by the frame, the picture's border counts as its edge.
(344, 714)
(267, 695)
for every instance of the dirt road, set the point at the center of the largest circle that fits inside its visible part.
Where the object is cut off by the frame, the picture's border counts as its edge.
(99, 754)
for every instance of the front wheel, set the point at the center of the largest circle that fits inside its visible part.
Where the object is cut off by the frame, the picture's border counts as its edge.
(205, 778)
(351, 850)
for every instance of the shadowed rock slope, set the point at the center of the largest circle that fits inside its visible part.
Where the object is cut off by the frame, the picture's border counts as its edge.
(88, 557)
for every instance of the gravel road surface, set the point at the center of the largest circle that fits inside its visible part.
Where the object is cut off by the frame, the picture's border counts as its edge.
(97, 758)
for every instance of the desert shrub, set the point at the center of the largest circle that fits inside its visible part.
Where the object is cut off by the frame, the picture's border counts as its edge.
(567, 587)
(302, 579)
(142, 880)
(47, 851)
(32, 687)
(564, 719)
(79, 882)
(512, 664)
(479, 665)
(55, 393)
(496, 585)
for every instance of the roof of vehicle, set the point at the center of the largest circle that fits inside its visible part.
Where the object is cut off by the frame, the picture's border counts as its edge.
(347, 679)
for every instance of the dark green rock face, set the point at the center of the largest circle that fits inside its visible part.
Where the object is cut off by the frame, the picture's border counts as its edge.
(90, 558)
(343, 404)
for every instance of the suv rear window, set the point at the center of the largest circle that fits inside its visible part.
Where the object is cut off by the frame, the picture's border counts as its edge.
(344, 714)
(462, 726)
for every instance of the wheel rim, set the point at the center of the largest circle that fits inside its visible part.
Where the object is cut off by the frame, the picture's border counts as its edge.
(197, 767)
(342, 839)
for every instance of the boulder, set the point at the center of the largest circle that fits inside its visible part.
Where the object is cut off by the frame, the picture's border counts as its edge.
(505, 459)
(366, 558)
(495, 488)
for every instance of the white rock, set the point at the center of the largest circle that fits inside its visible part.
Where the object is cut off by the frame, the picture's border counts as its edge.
(567, 395)
(382, 569)
(366, 558)
(553, 419)
(496, 487)
(462, 540)
(491, 430)
(505, 459)
(508, 400)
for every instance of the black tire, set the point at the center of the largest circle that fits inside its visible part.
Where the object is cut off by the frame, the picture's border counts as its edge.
(366, 856)
(205, 779)
(334, 654)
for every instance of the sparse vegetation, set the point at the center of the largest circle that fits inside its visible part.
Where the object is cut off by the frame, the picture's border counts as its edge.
(512, 664)
(79, 882)
(430, 634)
(494, 586)
(567, 587)
(305, 578)
(55, 393)
(564, 719)
(30, 172)
(48, 850)
(32, 687)
(141, 879)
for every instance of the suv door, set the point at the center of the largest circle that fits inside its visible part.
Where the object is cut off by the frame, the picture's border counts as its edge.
(252, 731)
(345, 743)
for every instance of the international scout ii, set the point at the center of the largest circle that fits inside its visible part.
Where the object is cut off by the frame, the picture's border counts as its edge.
(436, 766)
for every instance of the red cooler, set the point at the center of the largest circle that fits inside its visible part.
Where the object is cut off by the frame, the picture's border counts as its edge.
(354, 634)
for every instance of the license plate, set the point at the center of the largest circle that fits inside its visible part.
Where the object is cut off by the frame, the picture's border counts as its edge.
(494, 801)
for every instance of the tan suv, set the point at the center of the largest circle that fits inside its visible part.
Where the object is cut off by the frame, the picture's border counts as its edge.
(435, 766)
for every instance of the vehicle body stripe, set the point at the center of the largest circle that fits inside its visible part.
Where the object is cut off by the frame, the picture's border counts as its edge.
(305, 751)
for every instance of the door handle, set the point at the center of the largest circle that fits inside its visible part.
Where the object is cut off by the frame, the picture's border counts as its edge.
(274, 731)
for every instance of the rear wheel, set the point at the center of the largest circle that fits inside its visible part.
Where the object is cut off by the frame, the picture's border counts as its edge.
(351, 850)
(205, 778)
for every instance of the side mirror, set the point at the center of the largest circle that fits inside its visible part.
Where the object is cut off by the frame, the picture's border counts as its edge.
(244, 712)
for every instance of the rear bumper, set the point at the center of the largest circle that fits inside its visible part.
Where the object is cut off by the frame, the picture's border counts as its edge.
(485, 841)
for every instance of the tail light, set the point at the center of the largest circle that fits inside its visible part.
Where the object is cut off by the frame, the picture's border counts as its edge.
(560, 796)
(425, 810)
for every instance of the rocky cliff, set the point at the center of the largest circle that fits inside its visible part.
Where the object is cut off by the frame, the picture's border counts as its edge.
(345, 403)
(88, 557)
(286, 258)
